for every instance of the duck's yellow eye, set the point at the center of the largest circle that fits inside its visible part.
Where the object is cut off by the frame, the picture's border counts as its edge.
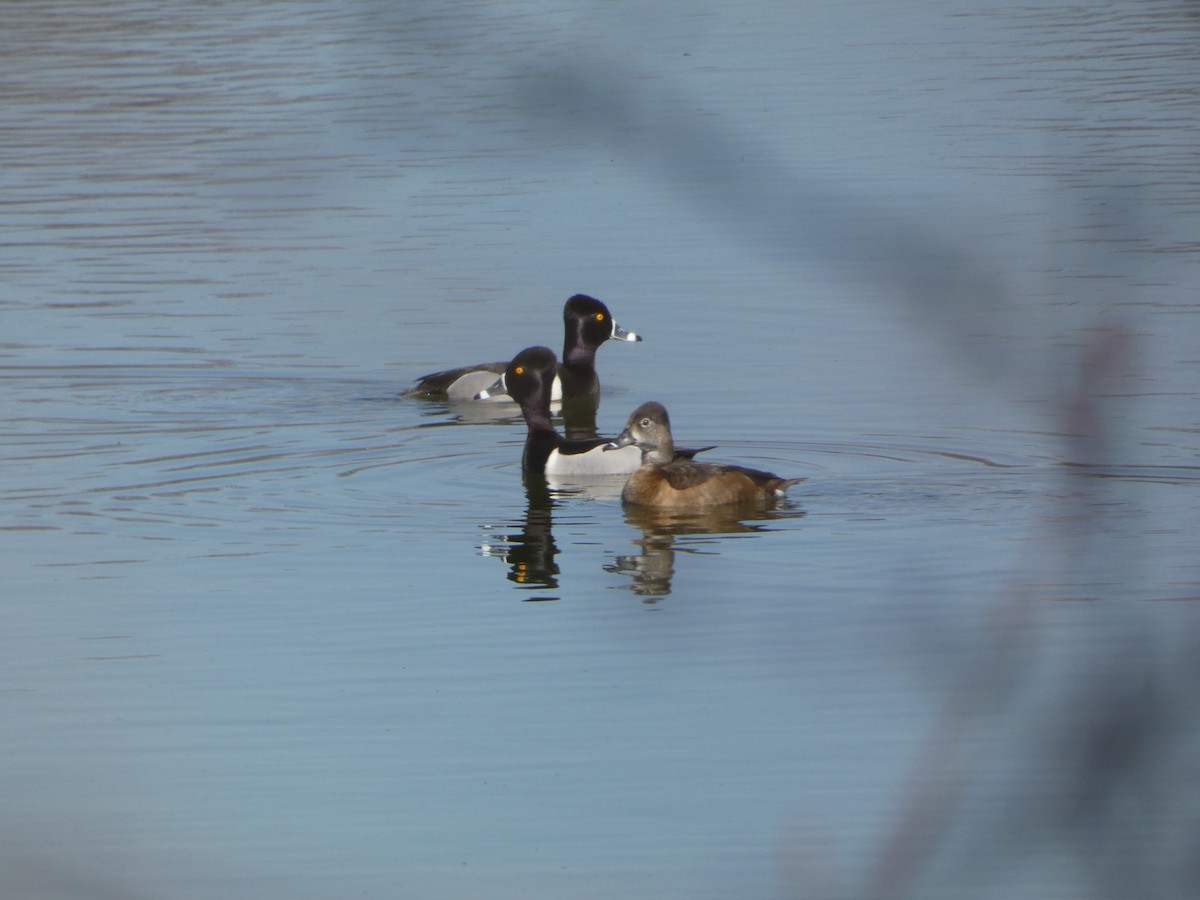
(599, 317)
(519, 370)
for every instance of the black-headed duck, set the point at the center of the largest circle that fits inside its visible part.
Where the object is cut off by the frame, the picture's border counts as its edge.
(664, 480)
(527, 379)
(587, 324)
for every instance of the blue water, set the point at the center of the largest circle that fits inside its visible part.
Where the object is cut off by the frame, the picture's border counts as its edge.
(271, 629)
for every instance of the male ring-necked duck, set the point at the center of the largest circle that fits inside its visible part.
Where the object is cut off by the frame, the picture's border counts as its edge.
(667, 481)
(587, 324)
(527, 379)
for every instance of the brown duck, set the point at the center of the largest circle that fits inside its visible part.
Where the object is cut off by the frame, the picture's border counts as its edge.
(666, 481)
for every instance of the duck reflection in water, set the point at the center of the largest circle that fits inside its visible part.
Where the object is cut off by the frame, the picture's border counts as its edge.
(531, 551)
(667, 532)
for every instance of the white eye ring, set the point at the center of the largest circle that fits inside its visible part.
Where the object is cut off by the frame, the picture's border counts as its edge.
(645, 423)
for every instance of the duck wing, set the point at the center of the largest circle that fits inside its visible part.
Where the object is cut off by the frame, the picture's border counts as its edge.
(681, 473)
(436, 383)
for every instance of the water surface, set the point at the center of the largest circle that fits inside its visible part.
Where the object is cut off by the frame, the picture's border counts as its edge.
(272, 629)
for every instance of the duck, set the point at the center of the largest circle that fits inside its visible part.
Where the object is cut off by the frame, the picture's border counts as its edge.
(665, 480)
(528, 380)
(587, 323)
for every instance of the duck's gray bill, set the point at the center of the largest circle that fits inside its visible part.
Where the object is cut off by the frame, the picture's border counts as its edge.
(620, 334)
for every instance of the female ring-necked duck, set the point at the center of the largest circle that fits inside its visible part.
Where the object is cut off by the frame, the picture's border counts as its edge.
(587, 324)
(527, 379)
(665, 480)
